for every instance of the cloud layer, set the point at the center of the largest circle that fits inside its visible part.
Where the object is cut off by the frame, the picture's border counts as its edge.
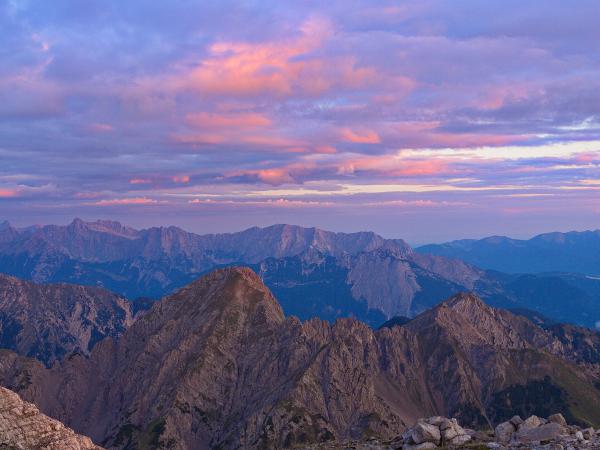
(394, 116)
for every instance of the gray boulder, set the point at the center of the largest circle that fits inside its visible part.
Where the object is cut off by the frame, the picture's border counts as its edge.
(558, 418)
(532, 422)
(588, 433)
(460, 439)
(424, 432)
(516, 420)
(543, 432)
(504, 432)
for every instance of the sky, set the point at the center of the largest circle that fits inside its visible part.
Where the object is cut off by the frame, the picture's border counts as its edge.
(428, 120)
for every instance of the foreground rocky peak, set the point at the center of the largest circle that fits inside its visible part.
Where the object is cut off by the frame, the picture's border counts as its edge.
(22, 426)
(216, 365)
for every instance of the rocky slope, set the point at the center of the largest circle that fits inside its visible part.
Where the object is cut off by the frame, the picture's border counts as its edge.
(372, 286)
(217, 365)
(577, 252)
(49, 321)
(22, 426)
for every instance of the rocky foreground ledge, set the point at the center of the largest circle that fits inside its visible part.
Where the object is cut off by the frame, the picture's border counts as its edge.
(534, 433)
(23, 427)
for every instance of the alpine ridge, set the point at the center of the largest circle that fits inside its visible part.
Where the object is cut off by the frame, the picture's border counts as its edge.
(313, 272)
(217, 365)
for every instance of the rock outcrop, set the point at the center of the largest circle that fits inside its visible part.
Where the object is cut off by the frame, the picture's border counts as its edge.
(533, 433)
(23, 427)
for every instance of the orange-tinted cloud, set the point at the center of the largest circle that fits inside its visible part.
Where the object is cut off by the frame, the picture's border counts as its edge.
(391, 165)
(274, 176)
(281, 68)
(363, 137)
(8, 193)
(291, 173)
(184, 179)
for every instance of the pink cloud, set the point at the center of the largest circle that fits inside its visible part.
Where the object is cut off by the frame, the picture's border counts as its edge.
(184, 179)
(273, 141)
(281, 68)
(126, 201)
(588, 157)
(9, 193)
(363, 137)
(235, 121)
(140, 181)
(390, 165)
(87, 195)
(101, 128)
(274, 176)
(277, 203)
(278, 175)
(197, 138)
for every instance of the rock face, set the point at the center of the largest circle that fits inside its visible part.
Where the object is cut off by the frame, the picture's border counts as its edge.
(48, 321)
(22, 426)
(217, 365)
(372, 286)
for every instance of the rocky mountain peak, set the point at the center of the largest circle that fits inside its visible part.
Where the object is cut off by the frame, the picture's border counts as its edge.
(465, 302)
(4, 225)
(467, 319)
(232, 291)
(78, 224)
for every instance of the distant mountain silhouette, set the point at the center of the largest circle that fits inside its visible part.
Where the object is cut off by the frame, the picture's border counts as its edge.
(576, 252)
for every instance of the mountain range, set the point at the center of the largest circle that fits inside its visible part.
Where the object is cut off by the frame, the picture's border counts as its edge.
(218, 365)
(312, 272)
(572, 252)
